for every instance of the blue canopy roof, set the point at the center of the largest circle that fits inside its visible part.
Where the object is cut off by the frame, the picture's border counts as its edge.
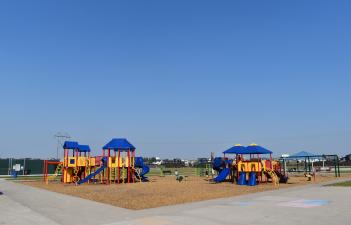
(120, 144)
(251, 149)
(256, 149)
(303, 154)
(70, 145)
(236, 149)
(83, 148)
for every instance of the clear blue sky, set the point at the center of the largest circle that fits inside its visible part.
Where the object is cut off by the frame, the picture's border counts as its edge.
(177, 78)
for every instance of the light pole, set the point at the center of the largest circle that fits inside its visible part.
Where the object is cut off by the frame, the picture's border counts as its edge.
(60, 138)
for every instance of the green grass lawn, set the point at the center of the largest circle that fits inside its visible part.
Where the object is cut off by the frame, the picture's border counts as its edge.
(182, 171)
(185, 171)
(25, 178)
(342, 184)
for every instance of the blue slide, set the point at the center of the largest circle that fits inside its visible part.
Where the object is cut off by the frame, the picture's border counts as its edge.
(87, 178)
(145, 170)
(222, 175)
(139, 163)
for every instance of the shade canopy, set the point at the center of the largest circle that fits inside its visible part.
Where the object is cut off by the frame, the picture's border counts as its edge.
(119, 144)
(236, 149)
(70, 145)
(83, 148)
(251, 149)
(256, 149)
(303, 154)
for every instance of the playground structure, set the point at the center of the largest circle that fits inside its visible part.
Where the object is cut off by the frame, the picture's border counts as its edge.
(77, 162)
(57, 172)
(204, 170)
(311, 163)
(252, 170)
(117, 164)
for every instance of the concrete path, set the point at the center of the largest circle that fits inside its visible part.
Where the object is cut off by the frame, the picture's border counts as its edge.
(56, 208)
(314, 204)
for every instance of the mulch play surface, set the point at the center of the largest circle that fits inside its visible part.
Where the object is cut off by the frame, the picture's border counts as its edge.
(162, 191)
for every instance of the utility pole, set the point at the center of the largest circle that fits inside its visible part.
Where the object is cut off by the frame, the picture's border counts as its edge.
(61, 137)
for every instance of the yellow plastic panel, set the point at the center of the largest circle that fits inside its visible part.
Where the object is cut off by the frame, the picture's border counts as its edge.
(248, 167)
(126, 162)
(242, 166)
(71, 161)
(92, 161)
(109, 161)
(67, 177)
(82, 161)
(254, 166)
(113, 162)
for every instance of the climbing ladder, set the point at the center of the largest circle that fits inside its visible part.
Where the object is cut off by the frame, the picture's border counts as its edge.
(58, 171)
(137, 172)
(113, 172)
(124, 175)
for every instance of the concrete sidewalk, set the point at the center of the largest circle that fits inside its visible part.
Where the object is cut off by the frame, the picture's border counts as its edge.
(313, 204)
(55, 207)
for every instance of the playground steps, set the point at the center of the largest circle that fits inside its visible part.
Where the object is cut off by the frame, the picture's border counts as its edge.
(137, 174)
(113, 173)
(57, 172)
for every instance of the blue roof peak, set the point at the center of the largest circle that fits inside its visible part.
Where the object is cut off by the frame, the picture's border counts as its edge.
(303, 154)
(119, 144)
(256, 149)
(83, 148)
(70, 145)
(251, 149)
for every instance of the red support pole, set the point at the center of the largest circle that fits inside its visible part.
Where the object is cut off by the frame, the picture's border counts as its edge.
(108, 168)
(133, 166)
(271, 161)
(103, 173)
(129, 163)
(119, 169)
(237, 166)
(64, 166)
(67, 154)
(114, 154)
(76, 154)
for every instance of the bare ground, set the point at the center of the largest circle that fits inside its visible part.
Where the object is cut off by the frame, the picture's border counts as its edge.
(162, 191)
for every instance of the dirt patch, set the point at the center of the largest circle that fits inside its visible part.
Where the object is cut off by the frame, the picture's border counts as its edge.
(162, 191)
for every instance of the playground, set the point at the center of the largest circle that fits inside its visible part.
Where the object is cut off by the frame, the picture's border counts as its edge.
(162, 191)
(120, 178)
(117, 187)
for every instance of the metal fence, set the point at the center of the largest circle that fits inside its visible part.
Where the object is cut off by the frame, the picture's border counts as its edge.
(26, 166)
